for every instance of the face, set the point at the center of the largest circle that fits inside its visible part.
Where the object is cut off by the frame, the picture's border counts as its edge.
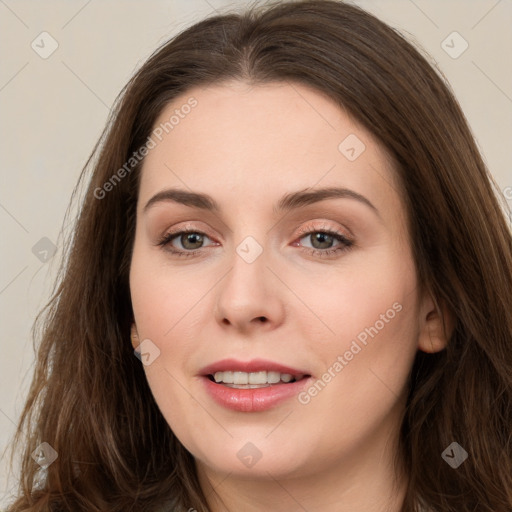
(293, 285)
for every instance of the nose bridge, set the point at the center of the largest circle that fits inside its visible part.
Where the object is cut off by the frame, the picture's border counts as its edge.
(248, 275)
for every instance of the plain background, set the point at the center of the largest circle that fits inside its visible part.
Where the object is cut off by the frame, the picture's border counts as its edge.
(53, 111)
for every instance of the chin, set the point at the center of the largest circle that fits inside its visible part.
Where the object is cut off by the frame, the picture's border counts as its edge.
(261, 458)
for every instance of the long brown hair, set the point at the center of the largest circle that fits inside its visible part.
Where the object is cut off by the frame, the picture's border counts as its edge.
(89, 399)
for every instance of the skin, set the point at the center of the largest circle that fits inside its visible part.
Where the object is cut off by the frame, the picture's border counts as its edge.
(247, 146)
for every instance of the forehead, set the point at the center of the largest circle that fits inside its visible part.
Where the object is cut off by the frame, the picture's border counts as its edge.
(241, 139)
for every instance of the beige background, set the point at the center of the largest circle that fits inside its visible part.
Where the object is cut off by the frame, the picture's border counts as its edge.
(54, 109)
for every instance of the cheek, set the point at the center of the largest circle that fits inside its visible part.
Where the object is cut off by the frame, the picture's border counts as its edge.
(163, 307)
(167, 309)
(371, 309)
(183, 412)
(162, 296)
(368, 345)
(377, 290)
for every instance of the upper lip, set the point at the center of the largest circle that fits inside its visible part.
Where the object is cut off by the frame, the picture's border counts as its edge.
(254, 365)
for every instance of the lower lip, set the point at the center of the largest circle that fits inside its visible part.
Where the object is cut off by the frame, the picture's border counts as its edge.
(253, 400)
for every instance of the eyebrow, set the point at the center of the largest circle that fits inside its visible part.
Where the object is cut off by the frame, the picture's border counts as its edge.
(288, 202)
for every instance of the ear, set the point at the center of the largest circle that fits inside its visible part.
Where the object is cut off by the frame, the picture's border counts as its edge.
(436, 326)
(134, 336)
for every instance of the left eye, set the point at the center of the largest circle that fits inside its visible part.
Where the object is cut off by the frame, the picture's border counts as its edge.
(322, 239)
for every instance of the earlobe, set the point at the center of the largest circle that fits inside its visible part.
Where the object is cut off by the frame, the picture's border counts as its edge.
(435, 329)
(134, 336)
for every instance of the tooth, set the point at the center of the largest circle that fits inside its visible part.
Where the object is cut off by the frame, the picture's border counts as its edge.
(240, 378)
(273, 377)
(228, 378)
(258, 377)
(253, 379)
(247, 386)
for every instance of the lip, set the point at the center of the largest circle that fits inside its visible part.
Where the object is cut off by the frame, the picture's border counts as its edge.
(252, 400)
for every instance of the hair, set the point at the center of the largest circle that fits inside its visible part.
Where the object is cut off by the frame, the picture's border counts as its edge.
(89, 398)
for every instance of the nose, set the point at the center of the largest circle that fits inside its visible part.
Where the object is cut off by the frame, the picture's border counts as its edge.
(250, 297)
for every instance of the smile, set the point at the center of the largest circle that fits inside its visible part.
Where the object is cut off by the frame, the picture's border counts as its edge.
(252, 386)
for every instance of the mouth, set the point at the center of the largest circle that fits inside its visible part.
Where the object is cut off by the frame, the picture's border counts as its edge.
(252, 386)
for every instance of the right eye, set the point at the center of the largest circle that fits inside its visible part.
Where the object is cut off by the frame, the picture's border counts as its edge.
(191, 241)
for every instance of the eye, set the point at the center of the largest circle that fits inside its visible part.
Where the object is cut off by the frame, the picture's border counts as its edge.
(324, 242)
(184, 242)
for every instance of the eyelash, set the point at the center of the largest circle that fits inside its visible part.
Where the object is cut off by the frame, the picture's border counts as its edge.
(346, 244)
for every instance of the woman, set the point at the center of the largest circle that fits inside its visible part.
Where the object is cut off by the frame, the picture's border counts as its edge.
(289, 218)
